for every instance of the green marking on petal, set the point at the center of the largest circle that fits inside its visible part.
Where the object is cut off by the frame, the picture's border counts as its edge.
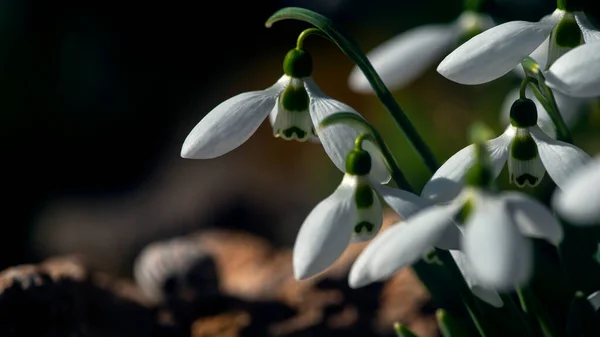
(295, 98)
(364, 226)
(298, 63)
(567, 33)
(289, 133)
(526, 179)
(523, 148)
(363, 196)
(432, 258)
(523, 113)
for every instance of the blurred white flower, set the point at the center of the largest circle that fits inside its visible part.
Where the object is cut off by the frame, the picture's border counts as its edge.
(495, 245)
(579, 199)
(405, 57)
(529, 151)
(497, 51)
(570, 108)
(296, 107)
(576, 73)
(594, 299)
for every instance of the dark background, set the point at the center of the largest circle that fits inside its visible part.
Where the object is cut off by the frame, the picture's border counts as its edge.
(96, 98)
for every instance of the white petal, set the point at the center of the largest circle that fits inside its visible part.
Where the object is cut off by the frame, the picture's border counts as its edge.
(400, 245)
(590, 33)
(544, 121)
(495, 52)
(560, 159)
(338, 140)
(403, 58)
(576, 73)
(579, 200)
(231, 123)
(540, 55)
(532, 218)
(372, 215)
(500, 256)
(594, 299)
(489, 295)
(447, 181)
(326, 231)
(402, 202)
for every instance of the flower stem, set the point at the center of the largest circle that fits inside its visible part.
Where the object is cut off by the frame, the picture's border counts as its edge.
(353, 51)
(306, 33)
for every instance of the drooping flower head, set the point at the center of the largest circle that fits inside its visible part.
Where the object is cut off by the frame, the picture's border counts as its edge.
(529, 151)
(496, 227)
(295, 106)
(497, 51)
(351, 214)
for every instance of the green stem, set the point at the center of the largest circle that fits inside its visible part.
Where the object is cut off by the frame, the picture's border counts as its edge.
(549, 104)
(532, 307)
(350, 117)
(306, 33)
(353, 51)
(522, 90)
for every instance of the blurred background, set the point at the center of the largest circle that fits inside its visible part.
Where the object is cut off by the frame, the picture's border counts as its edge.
(96, 98)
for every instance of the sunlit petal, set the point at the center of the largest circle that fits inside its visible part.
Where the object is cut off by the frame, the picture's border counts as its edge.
(401, 245)
(500, 256)
(575, 72)
(487, 294)
(532, 218)
(579, 200)
(326, 231)
(404, 203)
(560, 159)
(495, 52)
(590, 33)
(447, 181)
(338, 140)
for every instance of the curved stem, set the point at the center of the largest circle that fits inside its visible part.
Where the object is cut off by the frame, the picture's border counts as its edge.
(550, 105)
(393, 167)
(353, 51)
(306, 33)
(523, 88)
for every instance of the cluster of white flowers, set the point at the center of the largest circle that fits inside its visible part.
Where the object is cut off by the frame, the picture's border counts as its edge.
(487, 232)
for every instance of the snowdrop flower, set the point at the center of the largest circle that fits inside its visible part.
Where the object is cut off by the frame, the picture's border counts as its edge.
(571, 109)
(576, 73)
(403, 58)
(351, 214)
(529, 151)
(295, 106)
(579, 200)
(494, 243)
(497, 51)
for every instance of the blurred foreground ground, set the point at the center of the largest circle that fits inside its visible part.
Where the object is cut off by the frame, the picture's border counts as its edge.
(239, 286)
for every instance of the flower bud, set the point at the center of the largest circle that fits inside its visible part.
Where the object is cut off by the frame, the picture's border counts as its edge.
(523, 113)
(298, 63)
(358, 162)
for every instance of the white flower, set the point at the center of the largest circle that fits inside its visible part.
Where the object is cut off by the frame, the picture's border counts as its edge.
(496, 225)
(351, 214)
(579, 200)
(403, 58)
(576, 73)
(529, 151)
(296, 107)
(497, 51)
(571, 109)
